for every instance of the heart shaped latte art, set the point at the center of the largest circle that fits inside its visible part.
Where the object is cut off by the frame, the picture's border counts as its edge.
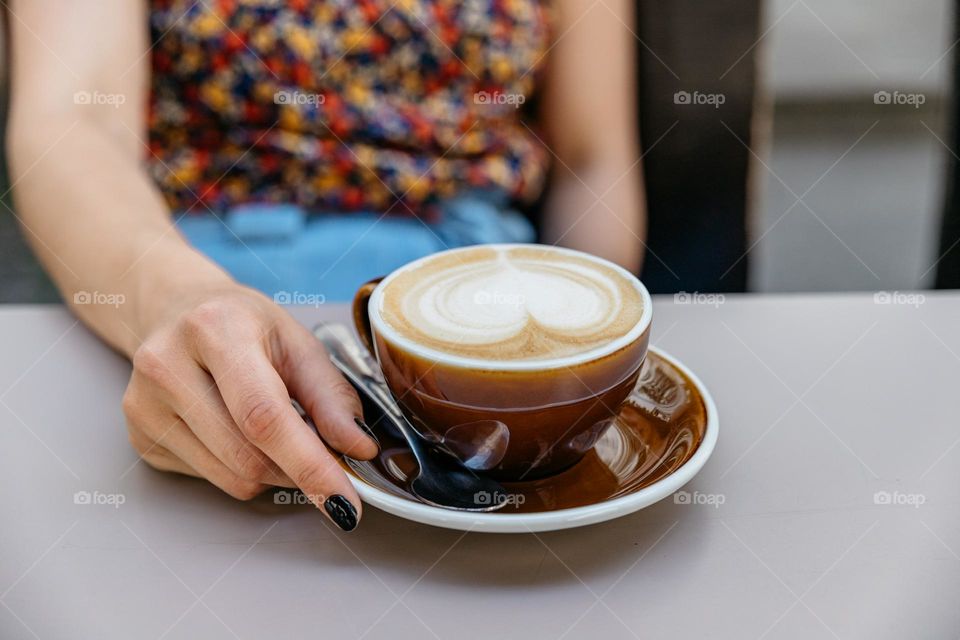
(487, 304)
(512, 303)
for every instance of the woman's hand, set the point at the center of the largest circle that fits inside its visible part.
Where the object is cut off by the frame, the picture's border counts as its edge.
(215, 363)
(210, 397)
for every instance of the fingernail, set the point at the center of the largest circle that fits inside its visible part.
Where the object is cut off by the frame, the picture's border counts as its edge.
(341, 512)
(367, 430)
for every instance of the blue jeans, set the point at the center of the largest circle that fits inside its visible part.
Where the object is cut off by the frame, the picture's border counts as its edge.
(299, 258)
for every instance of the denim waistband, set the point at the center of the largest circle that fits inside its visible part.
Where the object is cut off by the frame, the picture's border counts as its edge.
(471, 218)
(281, 248)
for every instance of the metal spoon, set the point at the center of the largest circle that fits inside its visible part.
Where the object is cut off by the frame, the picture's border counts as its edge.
(441, 480)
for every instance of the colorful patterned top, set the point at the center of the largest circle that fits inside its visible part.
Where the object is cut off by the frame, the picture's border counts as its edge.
(343, 105)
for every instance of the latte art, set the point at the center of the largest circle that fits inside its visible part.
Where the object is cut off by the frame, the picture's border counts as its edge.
(485, 304)
(511, 303)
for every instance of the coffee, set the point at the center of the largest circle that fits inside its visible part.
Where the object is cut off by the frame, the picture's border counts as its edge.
(514, 303)
(514, 357)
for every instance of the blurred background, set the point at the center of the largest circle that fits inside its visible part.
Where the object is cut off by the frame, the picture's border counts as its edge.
(805, 178)
(875, 216)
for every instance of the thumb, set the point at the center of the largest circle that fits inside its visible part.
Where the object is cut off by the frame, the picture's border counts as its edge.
(325, 395)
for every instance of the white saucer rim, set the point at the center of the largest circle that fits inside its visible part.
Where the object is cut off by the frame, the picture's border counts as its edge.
(561, 518)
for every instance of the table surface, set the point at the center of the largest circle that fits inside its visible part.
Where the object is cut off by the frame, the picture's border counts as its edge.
(830, 508)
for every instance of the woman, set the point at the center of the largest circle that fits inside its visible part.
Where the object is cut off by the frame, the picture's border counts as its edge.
(187, 157)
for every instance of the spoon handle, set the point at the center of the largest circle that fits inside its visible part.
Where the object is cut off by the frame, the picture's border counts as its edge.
(376, 394)
(343, 349)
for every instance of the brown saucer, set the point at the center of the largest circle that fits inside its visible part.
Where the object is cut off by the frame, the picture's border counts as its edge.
(659, 429)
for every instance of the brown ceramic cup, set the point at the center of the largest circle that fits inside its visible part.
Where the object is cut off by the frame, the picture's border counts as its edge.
(511, 419)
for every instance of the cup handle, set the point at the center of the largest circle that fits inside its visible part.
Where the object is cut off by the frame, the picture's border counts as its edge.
(361, 314)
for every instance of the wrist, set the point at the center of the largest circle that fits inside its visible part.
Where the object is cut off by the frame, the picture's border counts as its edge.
(171, 278)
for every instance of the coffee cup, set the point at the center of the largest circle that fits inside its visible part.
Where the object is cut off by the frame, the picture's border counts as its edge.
(514, 358)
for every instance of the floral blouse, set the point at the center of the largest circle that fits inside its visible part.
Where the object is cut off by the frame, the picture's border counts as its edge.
(344, 105)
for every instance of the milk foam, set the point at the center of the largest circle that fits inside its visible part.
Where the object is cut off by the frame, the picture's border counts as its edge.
(511, 303)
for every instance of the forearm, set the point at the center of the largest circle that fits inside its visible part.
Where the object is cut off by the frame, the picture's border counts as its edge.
(590, 116)
(100, 227)
(599, 209)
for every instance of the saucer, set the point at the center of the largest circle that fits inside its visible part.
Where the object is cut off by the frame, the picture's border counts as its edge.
(663, 435)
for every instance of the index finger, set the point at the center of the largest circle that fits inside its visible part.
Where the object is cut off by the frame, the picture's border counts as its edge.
(259, 403)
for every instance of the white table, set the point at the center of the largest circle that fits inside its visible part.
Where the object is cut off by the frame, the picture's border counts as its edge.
(824, 402)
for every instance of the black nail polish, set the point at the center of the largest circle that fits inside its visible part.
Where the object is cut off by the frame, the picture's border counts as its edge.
(341, 512)
(367, 430)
